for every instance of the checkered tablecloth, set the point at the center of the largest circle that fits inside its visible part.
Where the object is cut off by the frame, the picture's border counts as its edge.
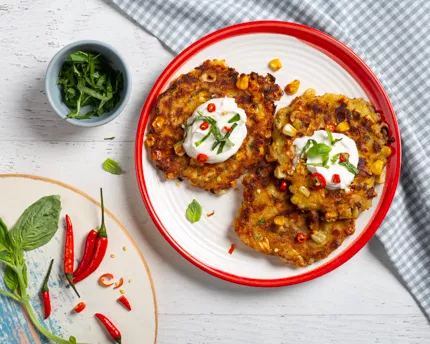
(393, 37)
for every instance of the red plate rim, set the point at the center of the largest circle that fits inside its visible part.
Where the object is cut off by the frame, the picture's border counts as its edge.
(355, 67)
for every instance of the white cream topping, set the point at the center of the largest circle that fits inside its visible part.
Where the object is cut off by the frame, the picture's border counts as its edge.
(346, 145)
(225, 110)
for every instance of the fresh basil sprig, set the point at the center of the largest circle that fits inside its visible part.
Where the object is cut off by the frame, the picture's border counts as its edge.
(318, 149)
(35, 227)
(350, 167)
(235, 118)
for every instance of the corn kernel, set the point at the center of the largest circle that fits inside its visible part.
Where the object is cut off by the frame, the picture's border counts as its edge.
(289, 130)
(377, 167)
(304, 191)
(275, 64)
(242, 82)
(295, 199)
(292, 87)
(318, 237)
(150, 141)
(179, 149)
(279, 173)
(343, 126)
(386, 151)
(279, 220)
(381, 178)
(158, 123)
(330, 215)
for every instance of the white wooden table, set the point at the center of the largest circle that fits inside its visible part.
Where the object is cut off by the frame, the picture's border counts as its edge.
(360, 302)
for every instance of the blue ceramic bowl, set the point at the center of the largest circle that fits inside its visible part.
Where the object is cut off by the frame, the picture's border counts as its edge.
(54, 93)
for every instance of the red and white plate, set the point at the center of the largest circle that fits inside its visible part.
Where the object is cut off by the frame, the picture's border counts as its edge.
(318, 61)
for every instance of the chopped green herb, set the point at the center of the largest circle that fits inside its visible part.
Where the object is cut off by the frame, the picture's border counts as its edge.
(318, 164)
(88, 80)
(335, 158)
(318, 149)
(333, 141)
(350, 167)
(204, 138)
(112, 166)
(235, 118)
(110, 138)
(260, 222)
(307, 145)
(194, 211)
(226, 139)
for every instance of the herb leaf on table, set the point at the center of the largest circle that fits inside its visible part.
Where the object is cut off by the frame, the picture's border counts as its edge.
(112, 166)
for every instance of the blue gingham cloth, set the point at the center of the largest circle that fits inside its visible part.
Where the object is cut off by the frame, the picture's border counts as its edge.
(393, 37)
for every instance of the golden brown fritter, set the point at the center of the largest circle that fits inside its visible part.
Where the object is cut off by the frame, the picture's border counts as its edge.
(355, 118)
(264, 205)
(213, 79)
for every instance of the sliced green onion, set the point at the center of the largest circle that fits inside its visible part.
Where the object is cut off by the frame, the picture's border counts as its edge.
(235, 118)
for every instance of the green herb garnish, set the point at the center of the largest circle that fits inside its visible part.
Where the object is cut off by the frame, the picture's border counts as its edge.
(333, 141)
(350, 167)
(235, 118)
(194, 211)
(318, 149)
(36, 227)
(318, 164)
(112, 166)
(335, 158)
(88, 80)
(110, 138)
(307, 145)
(226, 139)
(260, 222)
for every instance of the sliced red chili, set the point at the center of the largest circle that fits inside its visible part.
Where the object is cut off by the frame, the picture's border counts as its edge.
(330, 127)
(233, 246)
(335, 178)
(202, 158)
(283, 186)
(204, 125)
(344, 157)
(119, 283)
(124, 301)
(301, 237)
(211, 107)
(80, 307)
(227, 129)
(103, 282)
(319, 180)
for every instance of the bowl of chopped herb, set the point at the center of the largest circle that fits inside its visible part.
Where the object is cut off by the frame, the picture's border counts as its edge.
(88, 83)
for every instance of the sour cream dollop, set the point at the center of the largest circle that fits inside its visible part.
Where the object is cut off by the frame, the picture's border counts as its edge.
(346, 145)
(226, 110)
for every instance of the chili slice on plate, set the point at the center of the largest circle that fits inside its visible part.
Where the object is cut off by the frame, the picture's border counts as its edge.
(319, 180)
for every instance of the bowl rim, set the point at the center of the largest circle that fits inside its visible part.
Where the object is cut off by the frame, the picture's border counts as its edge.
(127, 79)
(346, 58)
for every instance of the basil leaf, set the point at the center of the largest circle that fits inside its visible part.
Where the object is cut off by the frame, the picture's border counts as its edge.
(260, 222)
(10, 279)
(4, 237)
(235, 118)
(78, 56)
(72, 340)
(318, 164)
(335, 158)
(350, 167)
(37, 225)
(194, 211)
(204, 138)
(333, 141)
(109, 138)
(318, 149)
(112, 166)
(307, 145)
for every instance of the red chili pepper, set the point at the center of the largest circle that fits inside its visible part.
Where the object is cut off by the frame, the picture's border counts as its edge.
(124, 301)
(283, 186)
(204, 125)
(319, 180)
(330, 127)
(301, 237)
(231, 250)
(69, 254)
(99, 249)
(80, 307)
(102, 280)
(335, 178)
(228, 129)
(202, 158)
(90, 243)
(211, 107)
(119, 284)
(45, 293)
(344, 157)
(113, 331)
